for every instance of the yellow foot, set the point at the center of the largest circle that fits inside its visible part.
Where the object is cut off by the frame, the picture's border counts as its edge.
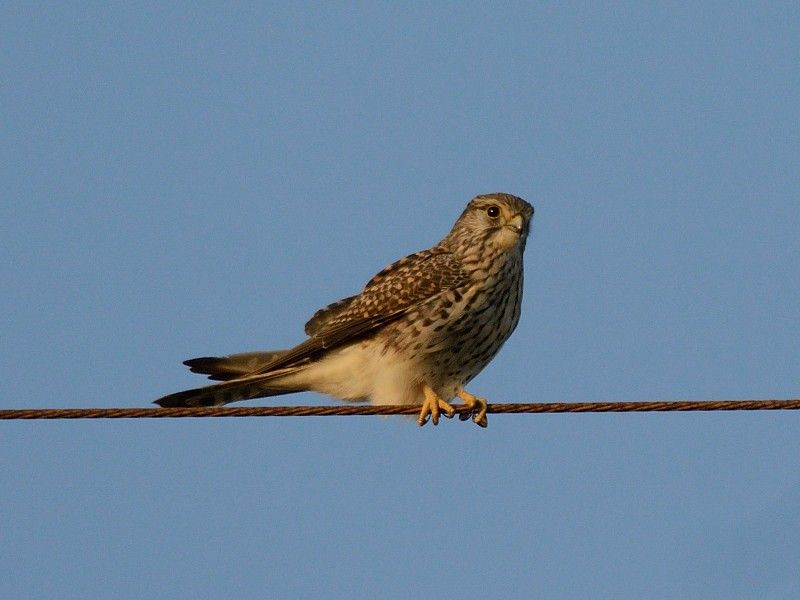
(432, 405)
(476, 406)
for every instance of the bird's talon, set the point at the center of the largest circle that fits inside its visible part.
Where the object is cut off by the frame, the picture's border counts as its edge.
(476, 408)
(434, 406)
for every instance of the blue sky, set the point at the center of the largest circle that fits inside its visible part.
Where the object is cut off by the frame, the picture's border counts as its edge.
(199, 179)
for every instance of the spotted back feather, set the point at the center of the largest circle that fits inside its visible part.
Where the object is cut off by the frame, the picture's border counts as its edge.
(399, 286)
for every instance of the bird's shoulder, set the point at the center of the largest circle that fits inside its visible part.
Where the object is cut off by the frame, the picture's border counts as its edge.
(401, 285)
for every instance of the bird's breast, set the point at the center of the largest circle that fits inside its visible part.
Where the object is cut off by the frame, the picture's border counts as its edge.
(454, 335)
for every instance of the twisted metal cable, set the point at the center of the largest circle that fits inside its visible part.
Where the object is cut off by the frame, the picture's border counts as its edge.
(352, 410)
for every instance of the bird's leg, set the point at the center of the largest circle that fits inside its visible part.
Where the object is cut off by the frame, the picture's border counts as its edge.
(432, 405)
(476, 406)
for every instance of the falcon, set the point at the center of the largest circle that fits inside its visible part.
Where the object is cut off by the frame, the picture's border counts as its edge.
(418, 332)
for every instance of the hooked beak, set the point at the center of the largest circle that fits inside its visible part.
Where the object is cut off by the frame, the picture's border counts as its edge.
(515, 223)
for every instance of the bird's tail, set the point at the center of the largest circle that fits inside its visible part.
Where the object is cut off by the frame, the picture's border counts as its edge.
(239, 382)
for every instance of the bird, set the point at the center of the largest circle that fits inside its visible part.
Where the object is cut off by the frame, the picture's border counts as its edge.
(419, 331)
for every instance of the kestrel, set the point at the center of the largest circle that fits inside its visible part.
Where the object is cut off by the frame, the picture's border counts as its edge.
(419, 331)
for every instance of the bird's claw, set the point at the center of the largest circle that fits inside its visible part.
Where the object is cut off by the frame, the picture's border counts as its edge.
(433, 406)
(477, 418)
(476, 408)
(432, 411)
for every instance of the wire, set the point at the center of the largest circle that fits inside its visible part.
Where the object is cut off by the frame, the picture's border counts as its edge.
(352, 410)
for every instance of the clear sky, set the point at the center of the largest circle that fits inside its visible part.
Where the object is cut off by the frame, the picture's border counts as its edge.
(190, 180)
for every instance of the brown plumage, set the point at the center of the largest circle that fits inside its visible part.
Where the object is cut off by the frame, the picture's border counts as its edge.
(419, 331)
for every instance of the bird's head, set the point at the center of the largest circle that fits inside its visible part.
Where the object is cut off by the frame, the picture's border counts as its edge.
(494, 222)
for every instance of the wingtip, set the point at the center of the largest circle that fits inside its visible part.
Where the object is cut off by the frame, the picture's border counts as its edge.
(167, 402)
(194, 363)
(177, 400)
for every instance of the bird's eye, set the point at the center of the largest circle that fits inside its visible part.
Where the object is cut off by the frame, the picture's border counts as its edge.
(493, 212)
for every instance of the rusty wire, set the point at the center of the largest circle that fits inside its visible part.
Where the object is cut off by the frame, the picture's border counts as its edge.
(352, 410)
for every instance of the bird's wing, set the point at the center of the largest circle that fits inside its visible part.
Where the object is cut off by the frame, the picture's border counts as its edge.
(390, 294)
(326, 315)
(402, 284)
(225, 368)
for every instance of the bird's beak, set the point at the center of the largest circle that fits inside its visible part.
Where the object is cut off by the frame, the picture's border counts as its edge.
(515, 223)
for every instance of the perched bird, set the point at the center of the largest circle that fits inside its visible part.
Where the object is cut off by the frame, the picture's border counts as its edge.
(419, 331)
